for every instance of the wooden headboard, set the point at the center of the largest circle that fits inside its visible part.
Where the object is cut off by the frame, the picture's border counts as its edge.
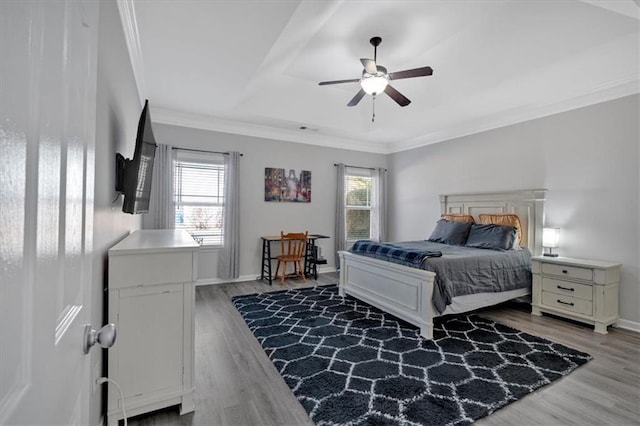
(527, 204)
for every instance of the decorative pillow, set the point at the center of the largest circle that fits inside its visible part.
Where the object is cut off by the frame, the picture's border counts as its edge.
(449, 232)
(494, 237)
(458, 217)
(504, 219)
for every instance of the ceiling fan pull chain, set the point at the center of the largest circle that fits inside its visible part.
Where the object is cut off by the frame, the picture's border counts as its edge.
(373, 117)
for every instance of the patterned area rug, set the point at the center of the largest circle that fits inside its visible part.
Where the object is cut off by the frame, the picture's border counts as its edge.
(349, 363)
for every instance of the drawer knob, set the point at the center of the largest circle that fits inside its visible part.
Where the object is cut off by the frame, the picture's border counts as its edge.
(564, 271)
(565, 303)
(565, 288)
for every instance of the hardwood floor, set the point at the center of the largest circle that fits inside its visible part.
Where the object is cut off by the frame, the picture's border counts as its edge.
(236, 383)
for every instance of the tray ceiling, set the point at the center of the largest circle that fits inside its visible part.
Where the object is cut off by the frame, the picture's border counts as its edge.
(253, 67)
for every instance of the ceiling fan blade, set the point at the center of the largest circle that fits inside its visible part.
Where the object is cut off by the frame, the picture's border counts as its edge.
(417, 72)
(396, 96)
(369, 65)
(353, 80)
(357, 98)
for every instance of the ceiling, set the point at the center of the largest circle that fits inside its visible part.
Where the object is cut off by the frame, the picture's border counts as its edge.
(253, 67)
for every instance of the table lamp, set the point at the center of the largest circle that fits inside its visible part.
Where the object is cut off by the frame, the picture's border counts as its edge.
(550, 240)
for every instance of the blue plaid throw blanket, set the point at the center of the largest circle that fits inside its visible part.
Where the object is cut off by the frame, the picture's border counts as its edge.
(393, 253)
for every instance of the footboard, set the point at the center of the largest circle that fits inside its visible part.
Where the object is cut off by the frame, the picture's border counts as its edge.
(397, 289)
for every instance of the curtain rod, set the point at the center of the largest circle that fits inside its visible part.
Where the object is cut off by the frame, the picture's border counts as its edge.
(358, 167)
(202, 150)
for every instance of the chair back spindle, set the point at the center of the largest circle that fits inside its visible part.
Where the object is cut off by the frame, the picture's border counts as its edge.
(292, 250)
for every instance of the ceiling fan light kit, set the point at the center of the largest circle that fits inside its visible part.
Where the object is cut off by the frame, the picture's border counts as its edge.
(375, 79)
(374, 84)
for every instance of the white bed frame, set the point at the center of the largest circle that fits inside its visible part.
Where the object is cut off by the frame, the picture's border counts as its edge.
(406, 292)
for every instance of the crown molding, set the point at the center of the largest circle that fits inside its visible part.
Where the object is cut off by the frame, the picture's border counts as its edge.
(132, 37)
(216, 124)
(629, 85)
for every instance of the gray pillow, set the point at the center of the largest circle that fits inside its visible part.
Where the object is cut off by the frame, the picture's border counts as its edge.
(494, 237)
(449, 232)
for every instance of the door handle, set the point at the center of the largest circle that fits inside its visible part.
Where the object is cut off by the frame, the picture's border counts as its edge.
(105, 337)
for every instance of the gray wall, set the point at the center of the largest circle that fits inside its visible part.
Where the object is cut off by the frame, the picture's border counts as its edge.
(258, 217)
(587, 158)
(117, 112)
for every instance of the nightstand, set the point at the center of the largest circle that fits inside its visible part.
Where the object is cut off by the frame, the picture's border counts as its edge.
(582, 290)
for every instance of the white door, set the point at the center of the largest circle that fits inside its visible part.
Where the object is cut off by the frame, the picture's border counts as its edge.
(47, 133)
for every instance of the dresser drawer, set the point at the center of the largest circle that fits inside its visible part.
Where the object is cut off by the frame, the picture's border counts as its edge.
(150, 269)
(568, 271)
(567, 288)
(567, 303)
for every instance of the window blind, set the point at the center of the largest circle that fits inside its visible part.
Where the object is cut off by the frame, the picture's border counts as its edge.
(358, 204)
(199, 180)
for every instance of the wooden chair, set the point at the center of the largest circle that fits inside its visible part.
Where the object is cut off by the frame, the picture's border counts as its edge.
(292, 250)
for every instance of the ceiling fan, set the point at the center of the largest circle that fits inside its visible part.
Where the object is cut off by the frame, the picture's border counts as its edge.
(375, 78)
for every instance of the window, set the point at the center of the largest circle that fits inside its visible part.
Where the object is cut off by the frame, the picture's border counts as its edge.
(198, 193)
(358, 214)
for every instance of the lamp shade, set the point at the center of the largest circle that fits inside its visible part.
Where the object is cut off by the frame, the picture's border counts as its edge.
(551, 237)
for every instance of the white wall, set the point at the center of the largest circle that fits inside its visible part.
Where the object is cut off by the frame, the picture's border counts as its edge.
(588, 160)
(258, 217)
(117, 113)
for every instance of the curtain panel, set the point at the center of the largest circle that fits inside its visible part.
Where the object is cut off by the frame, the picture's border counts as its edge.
(229, 260)
(161, 208)
(340, 237)
(379, 204)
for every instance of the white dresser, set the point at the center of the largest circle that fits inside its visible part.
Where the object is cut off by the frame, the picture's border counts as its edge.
(151, 301)
(582, 290)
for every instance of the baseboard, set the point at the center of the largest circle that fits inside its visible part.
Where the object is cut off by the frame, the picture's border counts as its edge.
(629, 325)
(326, 269)
(243, 278)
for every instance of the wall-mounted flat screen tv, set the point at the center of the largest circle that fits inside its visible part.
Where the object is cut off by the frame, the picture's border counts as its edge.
(133, 176)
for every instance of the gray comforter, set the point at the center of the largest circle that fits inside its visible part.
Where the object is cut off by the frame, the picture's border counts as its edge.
(465, 270)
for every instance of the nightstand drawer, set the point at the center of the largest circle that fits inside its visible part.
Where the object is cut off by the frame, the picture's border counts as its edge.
(567, 288)
(567, 303)
(567, 271)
